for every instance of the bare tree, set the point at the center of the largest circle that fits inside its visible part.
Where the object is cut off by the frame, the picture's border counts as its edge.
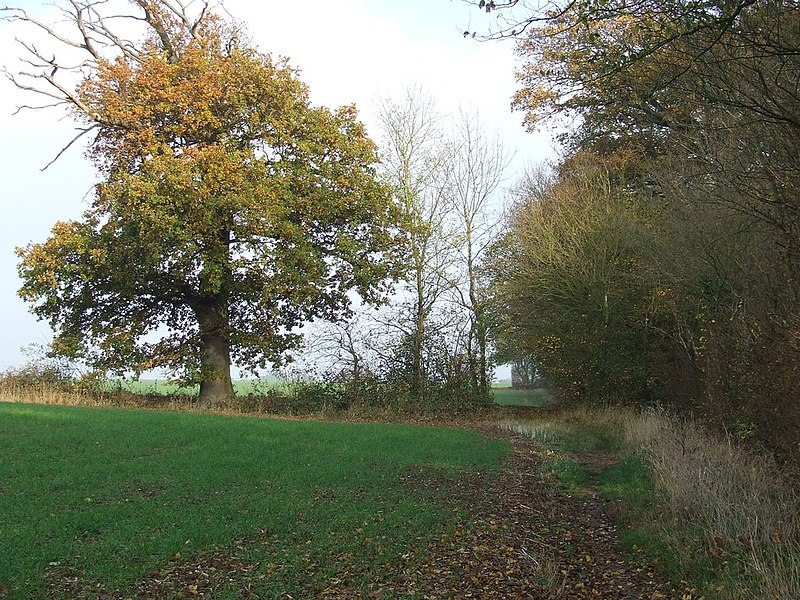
(478, 162)
(416, 167)
(342, 348)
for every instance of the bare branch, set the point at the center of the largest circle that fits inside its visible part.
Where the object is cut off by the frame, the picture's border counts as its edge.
(81, 133)
(160, 29)
(516, 28)
(199, 19)
(98, 25)
(19, 14)
(30, 88)
(92, 31)
(22, 107)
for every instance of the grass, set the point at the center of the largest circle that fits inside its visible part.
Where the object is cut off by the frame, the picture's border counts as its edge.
(720, 520)
(629, 481)
(109, 497)
(506, 396)
(161, 387)
(574, 476)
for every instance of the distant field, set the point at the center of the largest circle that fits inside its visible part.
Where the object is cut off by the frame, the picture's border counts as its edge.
(100, 502)
(505, 396)
(161, 387)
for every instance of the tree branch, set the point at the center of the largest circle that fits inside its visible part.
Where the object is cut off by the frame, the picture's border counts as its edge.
(81, 133)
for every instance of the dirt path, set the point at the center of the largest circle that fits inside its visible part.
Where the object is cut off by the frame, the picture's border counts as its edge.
(529, 539)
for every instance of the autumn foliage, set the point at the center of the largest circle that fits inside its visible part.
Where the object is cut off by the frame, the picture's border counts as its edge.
(660, 261)
(230, 211)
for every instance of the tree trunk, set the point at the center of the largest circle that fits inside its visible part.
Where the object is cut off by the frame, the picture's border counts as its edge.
(483, 364)
(472, 360)
(417, 342)
(216, 387)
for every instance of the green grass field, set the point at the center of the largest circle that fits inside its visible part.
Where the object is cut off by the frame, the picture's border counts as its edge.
(161, 387)
(103, 499)
(505, 396)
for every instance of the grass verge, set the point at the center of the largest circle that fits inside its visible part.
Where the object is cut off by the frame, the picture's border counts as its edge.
(102, 501)
(718, 519)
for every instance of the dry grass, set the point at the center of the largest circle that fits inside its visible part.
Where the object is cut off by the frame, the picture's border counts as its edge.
(738, 498)
(15, 389)
(44, 393)
(545, 432)
(734, 494)
(550, 570)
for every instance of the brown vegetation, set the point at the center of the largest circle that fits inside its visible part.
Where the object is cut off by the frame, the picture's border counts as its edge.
(738, 503)
(658, 262)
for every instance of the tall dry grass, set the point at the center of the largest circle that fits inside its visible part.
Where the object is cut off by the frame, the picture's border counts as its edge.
(16, 388)
(733, 493)
(46, 393)
(737, 497)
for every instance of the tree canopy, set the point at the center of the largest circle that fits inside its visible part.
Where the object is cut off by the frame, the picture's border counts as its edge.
(230, 210)
(661, 259)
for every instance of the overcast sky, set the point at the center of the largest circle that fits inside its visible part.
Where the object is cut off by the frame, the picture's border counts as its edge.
(348, 51)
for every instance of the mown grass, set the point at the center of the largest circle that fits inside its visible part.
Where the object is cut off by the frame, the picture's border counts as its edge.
(111, 497)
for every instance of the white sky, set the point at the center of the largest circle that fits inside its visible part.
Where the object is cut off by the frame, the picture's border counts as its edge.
(348, 51)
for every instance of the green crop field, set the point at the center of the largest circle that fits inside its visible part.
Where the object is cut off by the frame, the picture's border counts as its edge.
(100, 501)
(161, 387)
(505, 396)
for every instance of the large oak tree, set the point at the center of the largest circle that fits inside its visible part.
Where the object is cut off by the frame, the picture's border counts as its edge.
(230, 210)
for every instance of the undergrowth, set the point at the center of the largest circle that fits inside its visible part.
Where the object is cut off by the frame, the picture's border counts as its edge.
(707, 510)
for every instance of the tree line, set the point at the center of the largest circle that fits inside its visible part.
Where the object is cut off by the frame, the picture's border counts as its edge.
(658, 260)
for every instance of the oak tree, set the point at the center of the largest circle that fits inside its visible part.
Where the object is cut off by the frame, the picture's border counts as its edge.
(230, 209)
